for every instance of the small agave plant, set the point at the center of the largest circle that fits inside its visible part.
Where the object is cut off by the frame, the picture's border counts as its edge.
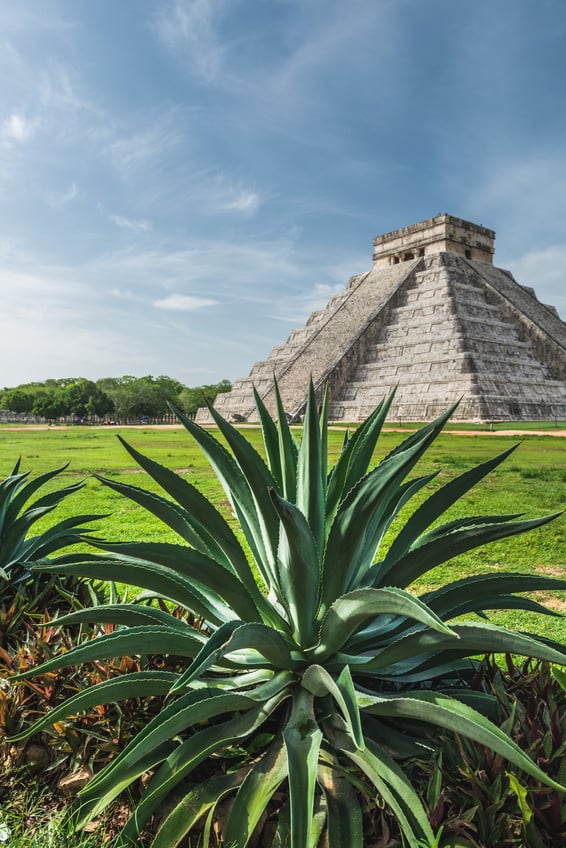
(311, 650)
(20, 548)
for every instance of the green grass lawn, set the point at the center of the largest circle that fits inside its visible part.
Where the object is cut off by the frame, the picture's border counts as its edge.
(531, 481)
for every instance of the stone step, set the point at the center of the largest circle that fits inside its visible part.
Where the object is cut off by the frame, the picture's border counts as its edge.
(440, 327)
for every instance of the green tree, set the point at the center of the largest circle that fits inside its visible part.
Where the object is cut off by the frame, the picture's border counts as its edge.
(190, 400)
(50, 405)
(84, 398)
(17, 400)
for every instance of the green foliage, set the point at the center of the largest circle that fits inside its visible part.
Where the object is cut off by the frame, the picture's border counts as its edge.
(28, 602)
(34, 820)
(331, 661)
(19, 549)
(472, 792)
(123, 397)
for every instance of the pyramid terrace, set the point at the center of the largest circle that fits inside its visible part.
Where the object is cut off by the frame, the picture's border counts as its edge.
(435, 319)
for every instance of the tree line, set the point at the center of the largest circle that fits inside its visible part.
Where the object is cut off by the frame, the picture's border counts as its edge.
(111, 398)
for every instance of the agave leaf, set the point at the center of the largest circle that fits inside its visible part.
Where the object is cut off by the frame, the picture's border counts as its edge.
(210, 532)
(354, 609)
(262, 780)
(208, 654)
(437, 504)
(488, 591)
(403, 495)
(199, 569)
(199, 523)
(189, 754)
(472, 639)
(176, 717)
(257, 475)
(449, 542)
(129, 615)
(262, 539)
(398, 743)
(310, 471)
(139, 684)
(396, 790)
(299, 568)
(164, 582)
(443, 711)
(302, 737)
(282, 838)
(270, 436)
(560, 676)
(323, 426)
(16, 502)
(344, 815)
(364, 442)
(362, 519)
(425, 434)
(318, 820)
(13, 537)
(289, 450)
(65, 532)
(483, 702)
(8, 487)
(175, 517)
(51, 499)
(143, 640)
(233, 636)
(319, 682)
(354, 460)
(203, 797)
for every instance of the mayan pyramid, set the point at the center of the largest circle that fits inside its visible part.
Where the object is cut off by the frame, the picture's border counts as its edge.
(434, 318)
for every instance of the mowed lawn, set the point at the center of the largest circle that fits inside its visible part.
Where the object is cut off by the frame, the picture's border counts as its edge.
(532, 481)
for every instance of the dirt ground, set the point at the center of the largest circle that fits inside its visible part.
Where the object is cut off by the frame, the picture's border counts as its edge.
(487, 432)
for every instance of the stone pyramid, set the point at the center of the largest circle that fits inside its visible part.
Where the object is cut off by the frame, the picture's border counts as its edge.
(433, 318)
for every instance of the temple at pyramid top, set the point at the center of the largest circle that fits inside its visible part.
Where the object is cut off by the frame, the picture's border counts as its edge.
(433, 319)
(441, 234)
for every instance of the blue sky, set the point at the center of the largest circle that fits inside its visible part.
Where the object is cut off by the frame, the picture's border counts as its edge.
(183, 181)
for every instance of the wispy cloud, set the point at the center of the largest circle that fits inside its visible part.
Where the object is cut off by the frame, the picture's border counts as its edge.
(297, 309)
(131, 224)
(187, 28)
(246, 201)
(62, 199)
(128, 152)
(184, 303)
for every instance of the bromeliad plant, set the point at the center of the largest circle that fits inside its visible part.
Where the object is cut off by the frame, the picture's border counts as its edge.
(308, 643)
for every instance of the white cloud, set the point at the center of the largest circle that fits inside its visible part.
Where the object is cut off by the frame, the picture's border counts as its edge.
(56, 323)
(184, 303)
(246, 201)
(187, 28)
(130, 224)
(17, 128)
(59, 201)
(130, 152)
(545, 271)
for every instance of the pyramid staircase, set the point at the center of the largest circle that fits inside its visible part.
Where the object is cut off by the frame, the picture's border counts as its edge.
(435, 319)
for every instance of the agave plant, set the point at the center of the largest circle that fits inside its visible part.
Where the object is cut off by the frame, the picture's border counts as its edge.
(309, 648)
(19, 549)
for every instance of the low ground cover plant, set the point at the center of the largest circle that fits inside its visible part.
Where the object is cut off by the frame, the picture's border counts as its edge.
(475, 795)
(308, 663)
